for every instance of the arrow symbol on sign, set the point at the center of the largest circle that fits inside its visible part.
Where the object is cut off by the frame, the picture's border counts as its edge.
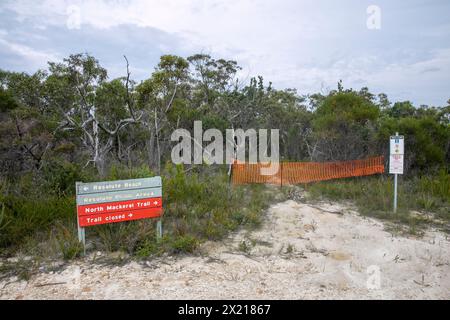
(130, 215)
(155, 203)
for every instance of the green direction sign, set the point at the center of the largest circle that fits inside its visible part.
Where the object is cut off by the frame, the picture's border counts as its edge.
(118, 185)
(123, 195)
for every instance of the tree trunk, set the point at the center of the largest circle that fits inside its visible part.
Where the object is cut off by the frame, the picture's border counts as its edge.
(158, 155)
(151, 149)
(99, 159)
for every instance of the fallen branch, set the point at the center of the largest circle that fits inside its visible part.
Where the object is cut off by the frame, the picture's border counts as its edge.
(327, 211)
(49, 284)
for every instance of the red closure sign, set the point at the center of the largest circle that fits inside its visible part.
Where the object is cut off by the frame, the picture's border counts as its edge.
(118, 201)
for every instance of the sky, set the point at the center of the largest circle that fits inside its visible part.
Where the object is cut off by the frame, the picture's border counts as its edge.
(398, 47)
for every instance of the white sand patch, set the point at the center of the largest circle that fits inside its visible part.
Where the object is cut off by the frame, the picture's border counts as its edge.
(301, 252)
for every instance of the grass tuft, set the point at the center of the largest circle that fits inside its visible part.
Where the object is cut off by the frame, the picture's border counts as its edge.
(422, 201)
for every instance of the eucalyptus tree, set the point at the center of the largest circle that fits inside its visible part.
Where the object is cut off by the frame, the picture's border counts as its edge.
(216, 88)
(91, 107)
(212, 77)
(156, 96)
(27, 124)
(344, 126)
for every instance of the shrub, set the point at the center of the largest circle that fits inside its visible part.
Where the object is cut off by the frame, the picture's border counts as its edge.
(67, 240)
(426, 141)
(27, 215)
(374, 197)
(199, 205)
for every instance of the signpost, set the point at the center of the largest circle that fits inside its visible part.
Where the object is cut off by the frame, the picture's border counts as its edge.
(397, 151)
(118, 201)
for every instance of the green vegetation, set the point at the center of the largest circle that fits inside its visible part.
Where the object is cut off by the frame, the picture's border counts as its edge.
(198, 207)
(72, 123)
(422, 200)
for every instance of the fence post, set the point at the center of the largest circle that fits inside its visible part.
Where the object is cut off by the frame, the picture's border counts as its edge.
(281, 175)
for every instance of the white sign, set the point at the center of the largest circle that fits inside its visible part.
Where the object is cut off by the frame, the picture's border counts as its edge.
(396, 164)
(397, 154)
(397, 145)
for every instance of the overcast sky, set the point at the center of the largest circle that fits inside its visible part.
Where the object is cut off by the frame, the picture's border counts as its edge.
(304, 44)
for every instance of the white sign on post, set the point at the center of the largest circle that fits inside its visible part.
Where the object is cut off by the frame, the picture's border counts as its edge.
(396, 161)
(396, 164)
(397, 145)
(396, 155)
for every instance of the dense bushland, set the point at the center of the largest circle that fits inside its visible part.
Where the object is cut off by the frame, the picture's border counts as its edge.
(199, 206)
(72, 123)
(423, 200)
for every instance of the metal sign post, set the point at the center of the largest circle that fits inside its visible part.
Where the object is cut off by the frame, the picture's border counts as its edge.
(397, 151)
(395, 193)
(81, 231)
(159, 230)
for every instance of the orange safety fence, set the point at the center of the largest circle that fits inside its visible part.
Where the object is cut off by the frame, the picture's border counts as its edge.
(304, 172)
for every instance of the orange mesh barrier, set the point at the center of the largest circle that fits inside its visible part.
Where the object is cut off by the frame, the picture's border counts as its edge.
(304, 172)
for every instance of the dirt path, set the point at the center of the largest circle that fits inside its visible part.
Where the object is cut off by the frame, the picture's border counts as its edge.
(301, 252)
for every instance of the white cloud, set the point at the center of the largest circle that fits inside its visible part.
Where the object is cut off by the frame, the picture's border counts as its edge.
(33, 58)
(218, 22)
(304, 44)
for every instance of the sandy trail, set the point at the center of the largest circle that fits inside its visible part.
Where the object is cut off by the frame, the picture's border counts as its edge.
(300, 252)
